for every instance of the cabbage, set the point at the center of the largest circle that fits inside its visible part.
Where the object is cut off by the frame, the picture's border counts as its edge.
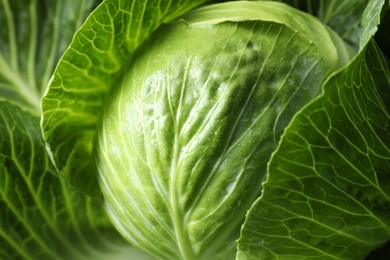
(187, 133)
(231, 130)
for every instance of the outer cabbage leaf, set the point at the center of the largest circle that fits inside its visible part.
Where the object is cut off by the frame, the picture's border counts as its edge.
(187, 133)
(41, 217)
(327, 193)
(33, 36)
(371, 19)
(90, 67)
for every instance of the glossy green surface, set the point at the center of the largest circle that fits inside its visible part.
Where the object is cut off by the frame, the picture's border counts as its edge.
(188, 132)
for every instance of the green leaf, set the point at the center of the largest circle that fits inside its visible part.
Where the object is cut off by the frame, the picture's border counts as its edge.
(33, 36)
(327, 194)
(186, 136)
(370, 20)
(41, 217)
(88, 70)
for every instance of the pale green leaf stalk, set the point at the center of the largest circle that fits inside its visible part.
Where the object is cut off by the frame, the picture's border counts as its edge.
(187, 134)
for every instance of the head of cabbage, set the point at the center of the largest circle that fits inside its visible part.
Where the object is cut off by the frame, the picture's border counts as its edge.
(188, 130)
(246, 130)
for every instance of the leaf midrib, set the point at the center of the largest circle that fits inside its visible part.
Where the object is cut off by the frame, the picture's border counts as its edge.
(182, 235)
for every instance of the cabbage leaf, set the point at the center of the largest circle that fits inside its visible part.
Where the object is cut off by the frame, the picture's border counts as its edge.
(88, 70)
(327, 192)
(41, 216)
